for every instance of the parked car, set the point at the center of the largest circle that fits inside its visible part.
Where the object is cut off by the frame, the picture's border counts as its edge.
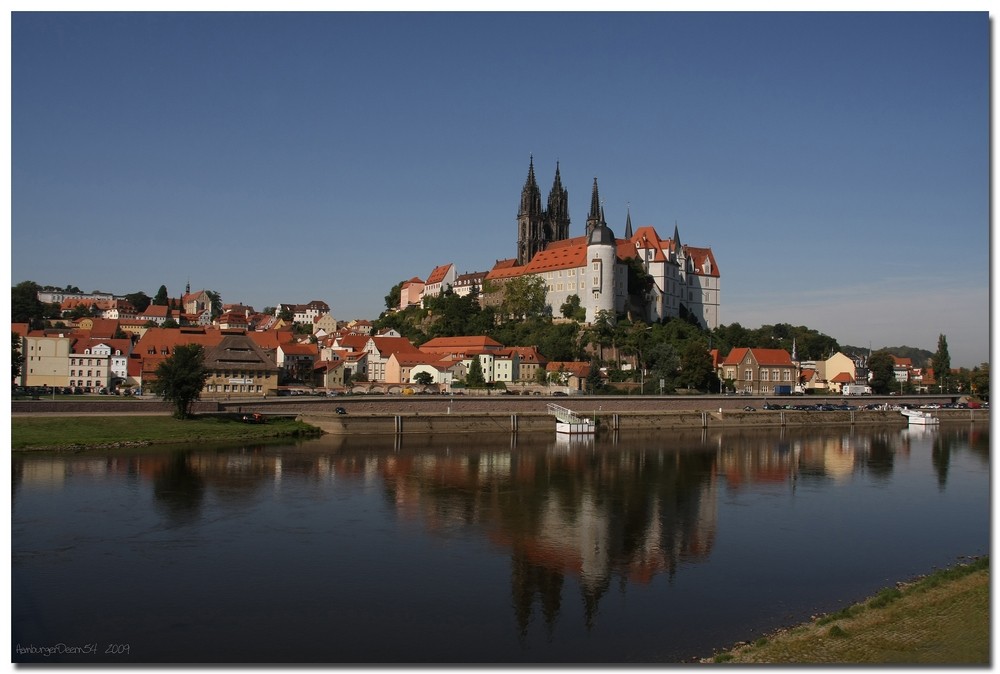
(340, 410)
(749, 408)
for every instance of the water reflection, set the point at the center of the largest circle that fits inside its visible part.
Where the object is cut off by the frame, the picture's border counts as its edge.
(578, 517)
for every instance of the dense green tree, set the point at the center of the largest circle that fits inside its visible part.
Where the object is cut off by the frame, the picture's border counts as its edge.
(139, 300)
(595, 383)
(572, 309)
(475, 378)
(602, 332)
(942, 362)
(523, 297)
(979, 381)
(664, 364)
(170, 323)
(556, 342)
(423, 378)
(725, 338)
(216, 300)
(181, 377)
(883, 377)
(696, 367)
(16, 357)
(25, 307)
(286, 314)
(392, 299)
(636, 337)
(161, 299)
(451, 315)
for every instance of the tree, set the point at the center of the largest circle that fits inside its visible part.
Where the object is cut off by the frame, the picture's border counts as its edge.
(603, 331)
(181, 377)
(572, 309)
(216, 300)
(392, 299)
(979, 380)
(25, 306)
(423, 378)
(162, 299)
(664, 364)
(16, 357)
(883, 377)
(475, 378)
(523, 297)
(139, 300)
(696, 366)
(942, 361)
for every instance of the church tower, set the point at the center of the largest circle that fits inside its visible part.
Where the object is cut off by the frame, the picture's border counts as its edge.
(558, 212)
(596, 215)
(529, 218)
(536, 227)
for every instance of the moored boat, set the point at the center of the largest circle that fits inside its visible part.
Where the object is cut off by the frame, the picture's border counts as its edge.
(919, 417)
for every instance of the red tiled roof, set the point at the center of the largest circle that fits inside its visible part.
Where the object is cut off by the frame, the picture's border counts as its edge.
(439, 273)
(762, 356)
(699, 256)
(296, 349)
(449, 344)
(573, 367)
(410, 359)
(156, 311)
(389, 345)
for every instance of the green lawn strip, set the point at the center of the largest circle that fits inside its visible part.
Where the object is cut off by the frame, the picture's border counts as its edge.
(74, 432)
(942, 619)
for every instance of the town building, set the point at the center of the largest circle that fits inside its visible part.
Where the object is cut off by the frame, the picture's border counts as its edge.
(758, 371)
(238, 367)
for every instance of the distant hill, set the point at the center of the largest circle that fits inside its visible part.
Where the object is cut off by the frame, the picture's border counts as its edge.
(919, 357)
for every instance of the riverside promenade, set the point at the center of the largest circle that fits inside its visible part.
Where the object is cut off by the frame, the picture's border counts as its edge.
(437, 414)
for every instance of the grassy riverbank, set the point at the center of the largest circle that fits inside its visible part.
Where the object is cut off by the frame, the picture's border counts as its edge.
(942, 619)
(85, 432)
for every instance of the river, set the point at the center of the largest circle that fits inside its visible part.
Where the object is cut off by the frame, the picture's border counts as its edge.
(642, 548)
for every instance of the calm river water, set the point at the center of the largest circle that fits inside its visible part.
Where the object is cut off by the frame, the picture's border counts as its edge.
(487, 549)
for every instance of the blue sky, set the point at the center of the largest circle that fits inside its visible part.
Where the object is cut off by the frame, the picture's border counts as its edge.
(836, 163)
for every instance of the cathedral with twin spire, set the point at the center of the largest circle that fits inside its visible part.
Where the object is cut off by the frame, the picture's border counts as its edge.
(678, 280)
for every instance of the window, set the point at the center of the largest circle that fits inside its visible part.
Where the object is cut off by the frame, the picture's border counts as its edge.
(787, 375)
(763, 375)
(748, 374)
(774, 374)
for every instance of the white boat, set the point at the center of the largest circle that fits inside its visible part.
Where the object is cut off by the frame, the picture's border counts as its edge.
(919, 418)
(569, 422)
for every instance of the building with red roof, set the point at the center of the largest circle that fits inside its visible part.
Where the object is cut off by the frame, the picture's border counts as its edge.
(758, 371)
(679, 280)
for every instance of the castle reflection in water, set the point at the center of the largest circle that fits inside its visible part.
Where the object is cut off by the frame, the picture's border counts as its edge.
(625, 509)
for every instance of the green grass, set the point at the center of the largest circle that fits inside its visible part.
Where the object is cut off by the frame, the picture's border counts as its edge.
(77, 432)
(942, 619)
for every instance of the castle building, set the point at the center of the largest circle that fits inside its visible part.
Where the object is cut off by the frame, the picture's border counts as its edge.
(601, 270)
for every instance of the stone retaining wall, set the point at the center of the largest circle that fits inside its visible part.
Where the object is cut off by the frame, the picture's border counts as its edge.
(535, 422)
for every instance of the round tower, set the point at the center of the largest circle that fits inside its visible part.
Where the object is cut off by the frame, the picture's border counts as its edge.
(601, 260)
